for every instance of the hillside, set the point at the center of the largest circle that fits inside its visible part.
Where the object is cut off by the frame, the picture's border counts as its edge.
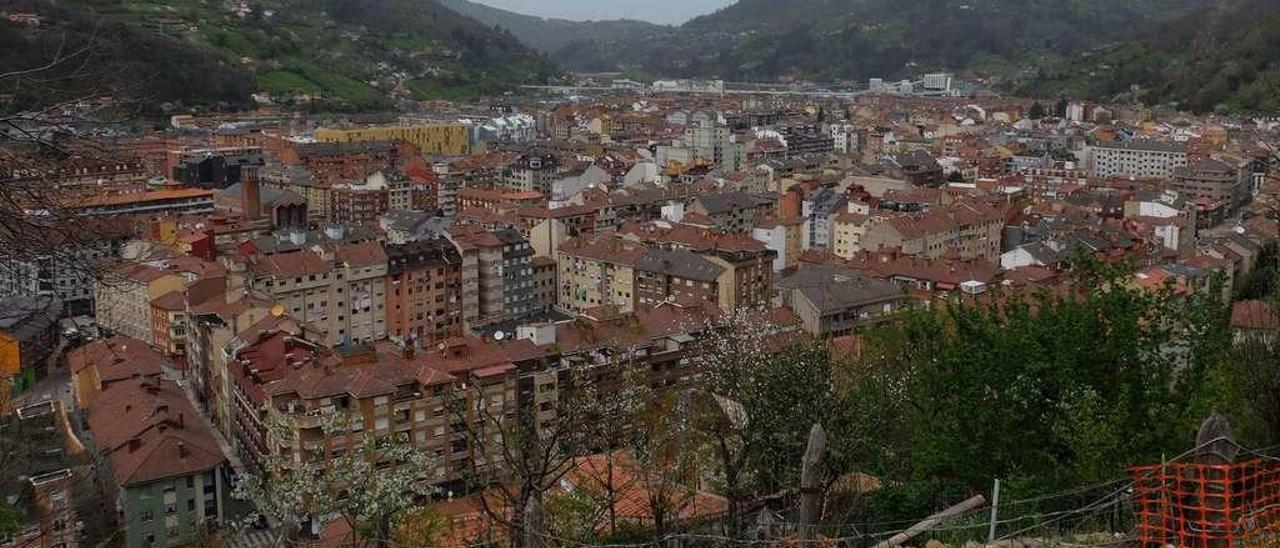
(858, 39)
(552, 36)
(352, 54)
(1221, 58)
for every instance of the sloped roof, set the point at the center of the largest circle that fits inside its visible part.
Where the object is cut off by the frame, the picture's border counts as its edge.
(681, 264)
(151, 432)
(26, 317)
(832, 289)
(117, 358)
(1254, 314)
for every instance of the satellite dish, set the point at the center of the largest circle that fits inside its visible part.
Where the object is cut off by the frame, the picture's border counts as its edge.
(498, 335)
(277, 310)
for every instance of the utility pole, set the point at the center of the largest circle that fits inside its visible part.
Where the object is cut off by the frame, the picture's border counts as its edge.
(995, 507)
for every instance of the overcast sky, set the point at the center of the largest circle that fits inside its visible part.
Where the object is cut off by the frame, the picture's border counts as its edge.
(657, 11)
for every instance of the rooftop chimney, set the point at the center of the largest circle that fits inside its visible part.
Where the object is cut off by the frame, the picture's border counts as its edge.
(182, 450)
(134, 444)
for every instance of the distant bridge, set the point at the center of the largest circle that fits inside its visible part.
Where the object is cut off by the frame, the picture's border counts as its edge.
(730, 89)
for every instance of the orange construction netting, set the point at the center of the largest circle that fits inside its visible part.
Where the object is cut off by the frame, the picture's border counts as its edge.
(1208, 506)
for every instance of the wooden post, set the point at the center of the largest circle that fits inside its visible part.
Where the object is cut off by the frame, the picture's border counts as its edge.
(811, 482)
(933, 521)
(995, 507)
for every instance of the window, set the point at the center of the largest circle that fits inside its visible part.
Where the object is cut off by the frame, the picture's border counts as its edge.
(146, 515)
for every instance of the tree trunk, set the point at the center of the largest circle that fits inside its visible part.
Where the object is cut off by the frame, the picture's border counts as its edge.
(383, 528)
(533, 524)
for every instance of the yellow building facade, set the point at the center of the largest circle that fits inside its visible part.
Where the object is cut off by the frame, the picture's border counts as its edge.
(442, 139)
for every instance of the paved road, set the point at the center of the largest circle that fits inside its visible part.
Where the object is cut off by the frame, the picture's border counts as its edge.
(55, 385)
(255, 538)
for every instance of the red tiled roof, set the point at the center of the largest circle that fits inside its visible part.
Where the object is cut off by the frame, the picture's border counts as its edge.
(172, 301)
(292, 265)
(604, 248)
(116, 359)
(1257, 315)
(362, 254)
(151, 432)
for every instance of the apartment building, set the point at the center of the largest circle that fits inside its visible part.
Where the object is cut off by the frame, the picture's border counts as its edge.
(379, 388)
(732, 211)
(678, 276)
(969, 229)
(424, 291)
(532, 172)
(848, 227)
(497, 275)
(817, 210)
(544, 284)
(784, 237)
(66, 270)
(595, 271)
(1136, 158)
(360, 202)
(165, 467)
(432, 139)
(123, 297)
(341, 289)
(1213, 180)
(832, 301)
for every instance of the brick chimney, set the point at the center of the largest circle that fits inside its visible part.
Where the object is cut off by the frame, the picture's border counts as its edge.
(251, 197)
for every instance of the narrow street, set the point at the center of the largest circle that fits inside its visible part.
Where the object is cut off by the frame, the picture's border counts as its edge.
(55, 385)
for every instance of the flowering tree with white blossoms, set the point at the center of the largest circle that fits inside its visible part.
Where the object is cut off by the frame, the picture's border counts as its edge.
(369, 485)
(763, 387)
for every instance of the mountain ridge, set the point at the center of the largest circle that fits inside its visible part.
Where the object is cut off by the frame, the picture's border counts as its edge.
(766, 40)
(1217, 58)
(551, 35)
(341, 54)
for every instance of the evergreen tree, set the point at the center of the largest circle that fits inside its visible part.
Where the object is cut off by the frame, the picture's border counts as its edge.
(1037, 111)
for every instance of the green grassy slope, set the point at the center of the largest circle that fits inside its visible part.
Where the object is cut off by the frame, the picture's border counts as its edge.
(348, 54)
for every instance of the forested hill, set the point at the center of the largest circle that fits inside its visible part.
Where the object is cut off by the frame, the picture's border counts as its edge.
(1219, 58)
(355, 54)
(551, 35)
(858, 39)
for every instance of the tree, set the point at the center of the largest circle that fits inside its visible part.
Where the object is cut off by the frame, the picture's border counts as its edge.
(519, 453)
(1044, 391)
(668, 470)
(613, 402)
(1060, 108)
(368, 485)
(419, 527)
(762, 391)
(1037, 111)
